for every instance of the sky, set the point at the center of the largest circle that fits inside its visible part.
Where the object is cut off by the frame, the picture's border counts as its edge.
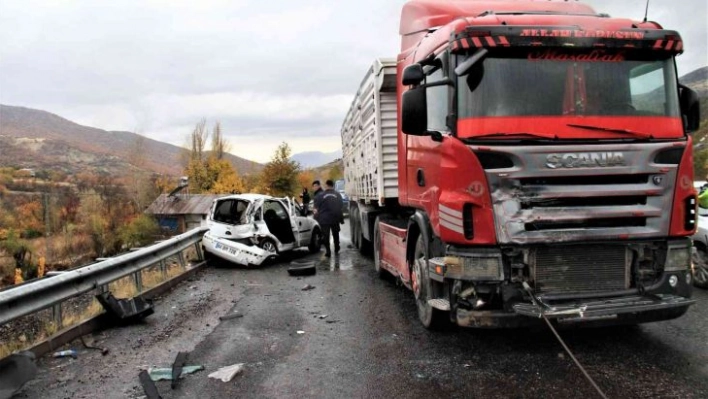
(269, 70)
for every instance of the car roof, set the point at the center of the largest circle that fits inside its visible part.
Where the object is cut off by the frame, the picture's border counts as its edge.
(247, 197)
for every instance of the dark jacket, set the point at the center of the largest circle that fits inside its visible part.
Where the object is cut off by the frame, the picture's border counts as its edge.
(329, 207)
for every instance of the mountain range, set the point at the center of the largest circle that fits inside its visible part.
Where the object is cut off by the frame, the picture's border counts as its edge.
(31, 138)
(36, 139)
(313, 159)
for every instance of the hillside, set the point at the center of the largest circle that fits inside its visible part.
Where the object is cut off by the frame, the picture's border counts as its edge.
(312, 159)
(32, 138)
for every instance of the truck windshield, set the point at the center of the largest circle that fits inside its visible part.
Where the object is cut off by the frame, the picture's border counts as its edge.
(564, 83)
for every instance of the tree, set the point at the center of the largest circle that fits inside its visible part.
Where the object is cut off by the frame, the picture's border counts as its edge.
(305, 179)
(335, 172)
(700, 164)
(227, 179)
(219, 145)
(280, 174)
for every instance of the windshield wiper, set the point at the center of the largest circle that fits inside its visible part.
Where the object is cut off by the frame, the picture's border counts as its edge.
(613, 130)
(550, 136)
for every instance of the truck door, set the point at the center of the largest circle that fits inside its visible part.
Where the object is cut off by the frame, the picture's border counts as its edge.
(423, 157)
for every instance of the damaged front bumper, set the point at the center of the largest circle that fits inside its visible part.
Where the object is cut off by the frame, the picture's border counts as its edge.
(607, 309)
(235, 252)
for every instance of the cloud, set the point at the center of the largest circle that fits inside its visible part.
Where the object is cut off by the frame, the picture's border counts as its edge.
(268, 70)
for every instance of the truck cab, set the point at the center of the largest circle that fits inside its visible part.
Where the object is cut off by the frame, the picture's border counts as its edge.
(544, 166)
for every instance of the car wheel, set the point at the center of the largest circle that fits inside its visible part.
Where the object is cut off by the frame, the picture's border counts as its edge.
(432, 319)
(268, 245)
(315, 242)
(700, 267)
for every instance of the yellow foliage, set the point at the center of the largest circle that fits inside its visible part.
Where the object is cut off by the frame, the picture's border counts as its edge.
(18, 276)
(41, 267)
(227, 179)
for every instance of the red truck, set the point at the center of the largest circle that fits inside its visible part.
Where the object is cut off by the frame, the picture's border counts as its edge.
(521, 159)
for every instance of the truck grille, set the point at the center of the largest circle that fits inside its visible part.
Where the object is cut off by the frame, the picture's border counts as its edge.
(583, 268)
(537, 204)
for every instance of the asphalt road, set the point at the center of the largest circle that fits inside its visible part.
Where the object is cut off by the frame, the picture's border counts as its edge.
(362, 339)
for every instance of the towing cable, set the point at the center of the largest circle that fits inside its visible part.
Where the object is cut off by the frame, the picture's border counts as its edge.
(542, 306)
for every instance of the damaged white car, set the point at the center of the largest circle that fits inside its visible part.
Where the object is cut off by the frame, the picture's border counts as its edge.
(248, 229)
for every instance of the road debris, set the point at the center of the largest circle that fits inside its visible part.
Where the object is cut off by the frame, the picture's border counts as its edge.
(300, 332)
(308, 287)
(67, 353)
(302, 269)
(148, 386)
(230, 316)
(104, 351)
(15, 371)
(165, 373)
(322, 316)
(177, 366)
(227, 373)
(127, 310)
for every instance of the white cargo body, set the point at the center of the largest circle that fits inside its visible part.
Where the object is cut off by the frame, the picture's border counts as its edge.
(369, 137)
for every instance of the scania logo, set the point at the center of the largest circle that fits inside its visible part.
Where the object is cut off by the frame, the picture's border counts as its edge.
(585, 160)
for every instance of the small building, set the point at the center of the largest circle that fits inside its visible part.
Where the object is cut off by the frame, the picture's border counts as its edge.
(182, 212)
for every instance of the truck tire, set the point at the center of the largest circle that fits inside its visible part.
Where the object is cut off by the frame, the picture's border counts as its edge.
(700, 267)
(355, 227)
(431, 318)
(383, 273)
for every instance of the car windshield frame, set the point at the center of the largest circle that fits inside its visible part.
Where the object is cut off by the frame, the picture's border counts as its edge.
(569, 83)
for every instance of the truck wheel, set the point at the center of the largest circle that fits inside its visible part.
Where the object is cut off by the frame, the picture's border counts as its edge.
(354, 227)
(432, 319)
(377, 250)
(315, 242)
(700, 268)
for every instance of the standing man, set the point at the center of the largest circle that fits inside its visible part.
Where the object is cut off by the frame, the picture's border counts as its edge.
(328, 206)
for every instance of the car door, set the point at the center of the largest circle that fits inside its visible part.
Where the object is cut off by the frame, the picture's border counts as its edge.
(220, 222)
(304, 224)
(288, 203)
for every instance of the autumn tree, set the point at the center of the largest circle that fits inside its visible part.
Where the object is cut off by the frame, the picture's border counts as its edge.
(211, 172)
(280, 174)
(335, 172)
(305, 179)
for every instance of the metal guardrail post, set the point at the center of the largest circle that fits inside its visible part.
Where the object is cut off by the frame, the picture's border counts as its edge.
(182, 261)
(57, 316)
(163, 269)
(138, 280)
(200, 254)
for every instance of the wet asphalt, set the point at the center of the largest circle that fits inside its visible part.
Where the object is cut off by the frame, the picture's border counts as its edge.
(355, 335)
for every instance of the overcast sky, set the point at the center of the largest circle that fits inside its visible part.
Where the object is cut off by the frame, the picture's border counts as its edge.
(268, 70)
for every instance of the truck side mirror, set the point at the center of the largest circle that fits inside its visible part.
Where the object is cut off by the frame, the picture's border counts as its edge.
(690, 109)
(414, 112)
(413, 75)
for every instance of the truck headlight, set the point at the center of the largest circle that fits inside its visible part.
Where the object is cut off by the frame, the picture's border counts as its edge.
(678, 258)
(474, 266)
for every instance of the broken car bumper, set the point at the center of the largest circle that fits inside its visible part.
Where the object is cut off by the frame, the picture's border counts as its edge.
(235, 252)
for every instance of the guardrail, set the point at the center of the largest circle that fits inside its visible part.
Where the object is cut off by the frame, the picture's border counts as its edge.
(50, 292)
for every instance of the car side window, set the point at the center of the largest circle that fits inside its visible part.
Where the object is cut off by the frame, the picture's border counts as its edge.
(275, 207)
(222, 212)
